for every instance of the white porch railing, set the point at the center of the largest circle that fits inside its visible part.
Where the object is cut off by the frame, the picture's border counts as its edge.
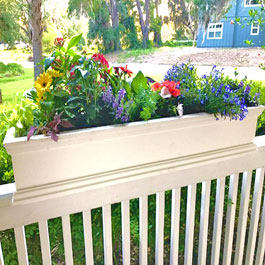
(241, 242)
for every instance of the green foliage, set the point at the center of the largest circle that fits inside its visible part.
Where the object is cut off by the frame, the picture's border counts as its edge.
(127, 25)
(9, 24)
(10, 70)
(102, 31)
(176, 43)
(259, 87)
(145, 100)
(17, 115)
(48, 38)
(256, 16)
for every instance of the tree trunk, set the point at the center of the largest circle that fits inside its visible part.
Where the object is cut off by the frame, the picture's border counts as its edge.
(144, 24)
(115, 22)
(157, 34)
(36, 22)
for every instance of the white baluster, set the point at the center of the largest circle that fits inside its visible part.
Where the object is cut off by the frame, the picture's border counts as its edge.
(21, 244)
(125, 215)
(143, 205)
(190, 224)
(204, 217)
(67, 240)
(160, 212)
(242, 221)
(175, 212)
(45, 243)
(107, 231)
(88, 237)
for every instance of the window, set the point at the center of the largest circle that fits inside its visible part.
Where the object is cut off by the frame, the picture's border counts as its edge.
(254, 29)
(215, 31)
(252, 3)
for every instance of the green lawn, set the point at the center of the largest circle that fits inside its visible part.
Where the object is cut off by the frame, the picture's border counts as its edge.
(11, 86)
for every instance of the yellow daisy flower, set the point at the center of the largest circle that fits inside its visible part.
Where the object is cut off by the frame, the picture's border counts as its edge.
(42, 84)
(54, 73)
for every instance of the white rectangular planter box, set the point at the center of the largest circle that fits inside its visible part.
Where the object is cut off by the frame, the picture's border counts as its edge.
(85, 153)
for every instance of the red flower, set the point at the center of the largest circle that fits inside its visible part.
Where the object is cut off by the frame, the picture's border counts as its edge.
(59, 42)
(126, 70)
(174, 92)
(98, 57)
(156, 86)
(72, 74)
(78, 87)
(173, 87)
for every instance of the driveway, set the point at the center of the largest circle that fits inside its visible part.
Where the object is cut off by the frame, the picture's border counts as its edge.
(252, 73)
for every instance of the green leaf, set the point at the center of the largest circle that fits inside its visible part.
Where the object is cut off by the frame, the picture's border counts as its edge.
(72, 99)
(69, 114)
(248, 42)
(71, 52)
(74, 41)
(60, 93)
(127, 88)
(76, 58)
(140, 81)
(48, 62)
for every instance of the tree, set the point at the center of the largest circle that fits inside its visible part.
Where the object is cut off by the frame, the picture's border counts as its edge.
(144, 23)
(191, 14)
(115, 23)
(9, 23)
(103, 20)
(35, 20)
(127, 26)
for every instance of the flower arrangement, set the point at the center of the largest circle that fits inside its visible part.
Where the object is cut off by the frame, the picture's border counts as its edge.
(77, 91)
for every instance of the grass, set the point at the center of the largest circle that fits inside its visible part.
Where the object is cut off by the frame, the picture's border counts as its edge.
(125, 55)
(11, 86)
(14, 55)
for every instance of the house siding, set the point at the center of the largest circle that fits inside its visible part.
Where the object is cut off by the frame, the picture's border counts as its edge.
(234, 35)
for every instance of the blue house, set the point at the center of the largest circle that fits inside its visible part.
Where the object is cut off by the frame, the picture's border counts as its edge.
(226, 33)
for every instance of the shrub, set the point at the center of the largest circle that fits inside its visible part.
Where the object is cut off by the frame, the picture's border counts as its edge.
(178, 43)
(10, 70)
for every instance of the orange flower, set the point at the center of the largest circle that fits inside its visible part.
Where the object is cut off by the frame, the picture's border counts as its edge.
(156, 86)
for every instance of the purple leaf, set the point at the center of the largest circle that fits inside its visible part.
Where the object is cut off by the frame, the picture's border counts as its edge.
(31, 132)
(54, 136)
(66, 124)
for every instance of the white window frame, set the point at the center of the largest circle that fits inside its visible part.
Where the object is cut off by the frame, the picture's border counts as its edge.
(251, 5)
(214, 30)
(254, 26)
